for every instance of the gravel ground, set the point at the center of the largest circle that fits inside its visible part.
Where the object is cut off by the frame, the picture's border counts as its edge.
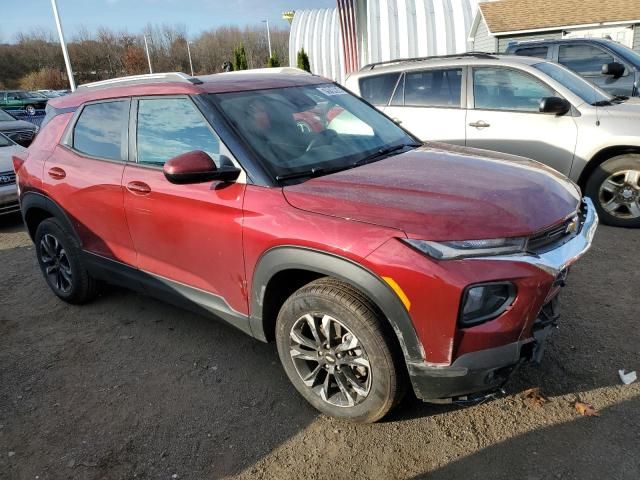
(128, 387)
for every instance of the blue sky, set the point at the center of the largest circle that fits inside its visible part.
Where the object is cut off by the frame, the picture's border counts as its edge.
(133, 15)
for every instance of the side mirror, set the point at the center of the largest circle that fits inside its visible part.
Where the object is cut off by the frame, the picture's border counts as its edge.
(197, 167)
(614, 69)
(555, 105)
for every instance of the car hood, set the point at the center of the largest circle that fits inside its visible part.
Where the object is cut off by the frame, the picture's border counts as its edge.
(440, 192)
(15, 125)
(6, 163)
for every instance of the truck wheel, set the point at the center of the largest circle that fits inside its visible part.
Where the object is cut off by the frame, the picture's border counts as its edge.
(332, 347)
(614, 187)
(61, 263)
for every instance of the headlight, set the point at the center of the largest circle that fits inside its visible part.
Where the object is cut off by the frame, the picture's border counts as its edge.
(481, 303)
(469, 248)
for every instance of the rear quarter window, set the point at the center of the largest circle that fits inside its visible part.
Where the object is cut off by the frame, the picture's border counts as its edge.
(377, 89)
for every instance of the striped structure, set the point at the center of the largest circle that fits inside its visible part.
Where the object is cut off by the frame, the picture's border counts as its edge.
(358, 32)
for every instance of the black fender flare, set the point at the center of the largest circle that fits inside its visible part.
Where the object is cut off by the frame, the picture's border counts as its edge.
(283, 258)
(35, 200)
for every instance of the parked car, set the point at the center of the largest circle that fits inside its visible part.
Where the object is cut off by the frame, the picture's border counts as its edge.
(8, 190)
(19, 100)
(375, 263)
(19, 131)
(523, 106)
(612, 66)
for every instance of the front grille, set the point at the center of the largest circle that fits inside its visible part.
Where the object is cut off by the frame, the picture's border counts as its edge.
(555, 236)
(7, 178)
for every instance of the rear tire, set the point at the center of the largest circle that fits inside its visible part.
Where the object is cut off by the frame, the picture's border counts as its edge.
(60, 260)
(614, 187)
(343, 365)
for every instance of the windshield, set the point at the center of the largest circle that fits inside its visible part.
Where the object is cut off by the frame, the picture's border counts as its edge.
(316, 129)
(5, 117)
(579, 86)
(626, 53)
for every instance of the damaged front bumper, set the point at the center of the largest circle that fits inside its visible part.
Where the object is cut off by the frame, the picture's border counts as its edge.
(488, 370)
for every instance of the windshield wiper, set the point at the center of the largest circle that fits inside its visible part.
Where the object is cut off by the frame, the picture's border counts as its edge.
(383, 152)
(621, 98)
(601, 103)
(312, 172)
(318, 171)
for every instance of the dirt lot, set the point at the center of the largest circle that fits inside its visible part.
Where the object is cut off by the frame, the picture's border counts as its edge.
(128, 387)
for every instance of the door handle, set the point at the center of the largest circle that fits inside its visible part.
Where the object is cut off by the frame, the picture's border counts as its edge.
(480, 124)
(139, 188)
(57, 173)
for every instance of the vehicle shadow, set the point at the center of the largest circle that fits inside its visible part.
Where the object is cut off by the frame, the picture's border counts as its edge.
(584, 448)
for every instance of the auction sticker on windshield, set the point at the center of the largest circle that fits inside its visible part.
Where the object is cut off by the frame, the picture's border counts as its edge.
(331, 90)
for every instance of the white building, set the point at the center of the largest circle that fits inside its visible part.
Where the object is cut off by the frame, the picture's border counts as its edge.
(496, 24)
(358, 32)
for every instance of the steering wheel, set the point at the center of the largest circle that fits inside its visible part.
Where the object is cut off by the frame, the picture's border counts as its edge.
(325, 137)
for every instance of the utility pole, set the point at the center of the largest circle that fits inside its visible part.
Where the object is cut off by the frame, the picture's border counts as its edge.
(190, 62)
(268, 37)
(146, 47)
(65, 53)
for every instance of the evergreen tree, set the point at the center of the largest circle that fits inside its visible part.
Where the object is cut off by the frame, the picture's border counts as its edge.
(303, 60)
(240, 58)
(274, 61)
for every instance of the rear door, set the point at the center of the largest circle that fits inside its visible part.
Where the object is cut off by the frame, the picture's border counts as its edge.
(84, 175)
(587, 59)
(429, 103)
(188, 238)
(504, 116)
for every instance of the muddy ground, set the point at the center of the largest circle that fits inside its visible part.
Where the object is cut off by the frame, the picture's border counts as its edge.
(128, 387)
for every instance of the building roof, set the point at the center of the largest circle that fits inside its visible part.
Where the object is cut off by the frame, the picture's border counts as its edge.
(525, 15)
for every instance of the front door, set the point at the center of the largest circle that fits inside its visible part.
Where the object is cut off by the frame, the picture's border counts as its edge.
(428, 103)
(504, 116)
(587, 60)
(188, 238)
(84, 175)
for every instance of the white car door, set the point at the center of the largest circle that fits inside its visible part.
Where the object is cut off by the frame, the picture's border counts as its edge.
(504, 116)
(429, 103)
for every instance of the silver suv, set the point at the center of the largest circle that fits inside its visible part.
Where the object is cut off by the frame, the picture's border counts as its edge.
(519, 105)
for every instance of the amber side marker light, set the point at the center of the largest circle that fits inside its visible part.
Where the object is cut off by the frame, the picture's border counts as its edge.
(401, 295)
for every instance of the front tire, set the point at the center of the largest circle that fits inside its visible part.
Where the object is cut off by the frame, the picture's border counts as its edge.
(332, 346)
(59, 257)
(614, 187)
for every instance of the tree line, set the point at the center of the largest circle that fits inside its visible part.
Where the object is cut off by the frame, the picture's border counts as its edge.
(34, 60)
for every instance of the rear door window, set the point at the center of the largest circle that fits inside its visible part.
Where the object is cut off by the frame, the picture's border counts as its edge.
(378, 89)
(539, 51)
(583, 59)
(433, 88)
(101, 130)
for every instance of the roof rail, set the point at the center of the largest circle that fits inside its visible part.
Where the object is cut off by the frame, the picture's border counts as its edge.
(287, 70)
(371, 66)
(140, 79)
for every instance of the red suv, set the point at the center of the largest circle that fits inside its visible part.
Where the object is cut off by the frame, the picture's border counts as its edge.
(374, 262)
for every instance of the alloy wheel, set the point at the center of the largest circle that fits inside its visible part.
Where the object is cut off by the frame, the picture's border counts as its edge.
(56, 264)
(619, 194)
(330, 360)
